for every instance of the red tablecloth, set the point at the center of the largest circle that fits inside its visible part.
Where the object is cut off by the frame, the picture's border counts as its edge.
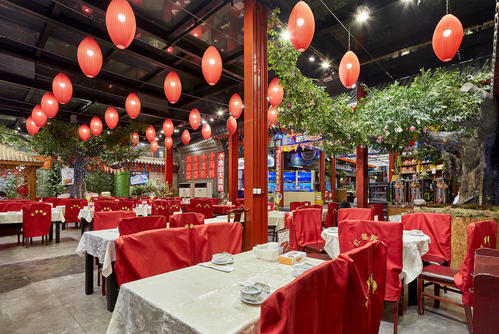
(222, 209)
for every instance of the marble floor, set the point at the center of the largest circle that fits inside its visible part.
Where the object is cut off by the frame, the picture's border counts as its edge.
(42, 292)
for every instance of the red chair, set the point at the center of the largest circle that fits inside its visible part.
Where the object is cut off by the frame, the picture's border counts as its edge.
(72, 209)
(55, 201)
(366, 288)
(214, 201)
(355, 214)
(150, 253)
(314, 206)
(104, 205)
(305, 227)
(186, 219)
(197, 205)
(332, 212)
(125, 205)
(438, 227)
(159, 208)
(146, 199)
(37, 219)
(6, 206)
(140, 224)
(105, 220)
(355, 233)
(295, 205)
(173, 206)
(378, 209)
(209, 239)
(270, 206)
(239, 203)
(207, 208)
(481, 234)
(313, 303)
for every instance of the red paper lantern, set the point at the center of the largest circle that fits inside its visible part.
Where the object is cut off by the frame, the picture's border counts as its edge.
(275, 92)
(150, 133)
(89, 57)
(96, 126)
(169, 49)
(86, 10)
(232, 125)
(135, 138)
(301, 26)
(38, 116)
(111, 117)
(62, 88)
(211, 64)
(49, 105)
(172, 87)
(168, 127)
(272, 114)
(206, 131)
(120, 23)
(349, 69)
(154, 146)
(132, 105)
(186, 137)
(447, 37)
(168, 142)
(235, 106)
(84, 132)
(31, 126)
(194, 118)
(197, 32)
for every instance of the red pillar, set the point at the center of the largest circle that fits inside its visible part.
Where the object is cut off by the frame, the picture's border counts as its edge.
(255, 124)
(362, 170)
(322, 176)
(333, 178)
(392, 157)
(169, 166)
(233, 157)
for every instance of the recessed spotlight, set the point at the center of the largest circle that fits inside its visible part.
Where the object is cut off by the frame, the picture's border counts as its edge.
(311, 59)
(362, 15)
(325, 64)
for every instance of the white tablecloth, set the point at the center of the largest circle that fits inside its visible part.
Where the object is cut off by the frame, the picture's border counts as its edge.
(100, 244)
(218, 219)
(276, 218)
(87, 213)
(16, 217)
(203, 300)
(413, 248)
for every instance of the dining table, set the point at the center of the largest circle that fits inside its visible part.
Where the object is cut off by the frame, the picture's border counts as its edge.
(204, 300)
(86, 214)
(16, 218)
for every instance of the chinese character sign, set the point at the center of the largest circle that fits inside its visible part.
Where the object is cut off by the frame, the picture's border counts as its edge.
(220, 172)
(212, 166)
(278, 169)
(188, 168)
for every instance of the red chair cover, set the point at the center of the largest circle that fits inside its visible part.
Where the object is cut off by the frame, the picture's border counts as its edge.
(435, 225)
(125, 205)
(6, 206)
(295, 205)
(37, 218)
(332, 212)
(378, 209)
(73, 207)
(186, 219)
(214, 201)
(313, 303)
(140, 224)
(150, 253)
(105, 205)
(55, 201)
(355, 214)
(366, 288)
(480, 234)
(239, 203)
(270, 206)
(197, 205)
(305, 228)
(209, 239)
(355, 233)
(159, 207)
(105, 220)
(173, 206)
(207, 208)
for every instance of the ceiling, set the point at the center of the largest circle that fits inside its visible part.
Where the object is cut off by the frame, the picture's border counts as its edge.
(39, 38)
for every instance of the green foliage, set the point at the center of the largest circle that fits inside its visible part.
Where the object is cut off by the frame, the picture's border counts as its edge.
(99, 182)
(14, 139)
(11, 186)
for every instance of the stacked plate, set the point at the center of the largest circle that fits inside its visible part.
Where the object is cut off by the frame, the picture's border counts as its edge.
(222, 258)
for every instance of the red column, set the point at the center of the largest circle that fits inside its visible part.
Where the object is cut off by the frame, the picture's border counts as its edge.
(233, 157)
(169, 166)
(255, 124)
(362, 171)
(333, 178)
(322, 176)
(392, 157)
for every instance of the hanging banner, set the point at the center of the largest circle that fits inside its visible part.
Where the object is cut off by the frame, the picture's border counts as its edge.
(204, 166)
(188, 168)
(213, 166)
(220, 172)
(68, 176)
(195, 167)
(278, 154)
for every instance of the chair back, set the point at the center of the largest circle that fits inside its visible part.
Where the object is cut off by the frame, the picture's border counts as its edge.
(214, 201)
(295, 205)
(435, 225)
(173, 206)
(104, 205)
(313, 303)
(207, 208)
(37, 218)
(378, 209)
(140, 224)
(355, 214)
(186, 219)
(305, 227)
(159, 207)
(366, 288)
(332, 212)
(197, 205)
(105, 220)
(209, 239)
(239, 202)
(6, 206)
(73, 207)
(355, 233)
(55, 201)
(125, 205)
(236, 215)
(482, 234)
(150, 253)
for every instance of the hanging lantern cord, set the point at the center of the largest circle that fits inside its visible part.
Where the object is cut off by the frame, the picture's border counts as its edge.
(446, 6)
(348, 39)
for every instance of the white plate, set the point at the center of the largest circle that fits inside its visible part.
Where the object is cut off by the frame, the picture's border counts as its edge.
(222, 262)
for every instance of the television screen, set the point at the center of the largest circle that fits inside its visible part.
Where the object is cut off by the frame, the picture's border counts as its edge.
(138, 178)
(270, 161)
(289, 186)
(289, 177)
(272, 176)
(304, 176)
(271, 187)
(304, 187)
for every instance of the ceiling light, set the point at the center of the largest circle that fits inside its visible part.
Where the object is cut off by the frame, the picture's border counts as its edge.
(211, 120)
(220, 112)
(325, 64)
(362, 15)
(311, 59)
(285, 35)
(176, 130)
(203, 121)
(162, 131)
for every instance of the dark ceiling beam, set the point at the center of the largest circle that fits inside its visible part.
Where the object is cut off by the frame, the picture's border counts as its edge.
(208, 92)
(47, 30)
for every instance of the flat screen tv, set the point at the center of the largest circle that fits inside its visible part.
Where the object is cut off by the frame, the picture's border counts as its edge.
(305, 177)
(138, 178)
(289, 177)
(272, 176)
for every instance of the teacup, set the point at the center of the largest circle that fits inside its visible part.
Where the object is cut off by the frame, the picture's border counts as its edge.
(251, 293)
(221, 257)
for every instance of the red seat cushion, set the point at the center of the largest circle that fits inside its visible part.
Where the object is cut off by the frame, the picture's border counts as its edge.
(439, 273)
(431, 259)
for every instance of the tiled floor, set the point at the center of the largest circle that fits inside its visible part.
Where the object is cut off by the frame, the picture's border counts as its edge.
(42, 292)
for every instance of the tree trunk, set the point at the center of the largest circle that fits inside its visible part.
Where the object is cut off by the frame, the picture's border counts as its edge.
(78, 189)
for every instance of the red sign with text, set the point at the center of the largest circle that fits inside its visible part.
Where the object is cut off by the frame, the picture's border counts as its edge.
(220, 172)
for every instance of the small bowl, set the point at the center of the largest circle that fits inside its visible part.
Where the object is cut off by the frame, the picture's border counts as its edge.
(221, 257)
(251, 293)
